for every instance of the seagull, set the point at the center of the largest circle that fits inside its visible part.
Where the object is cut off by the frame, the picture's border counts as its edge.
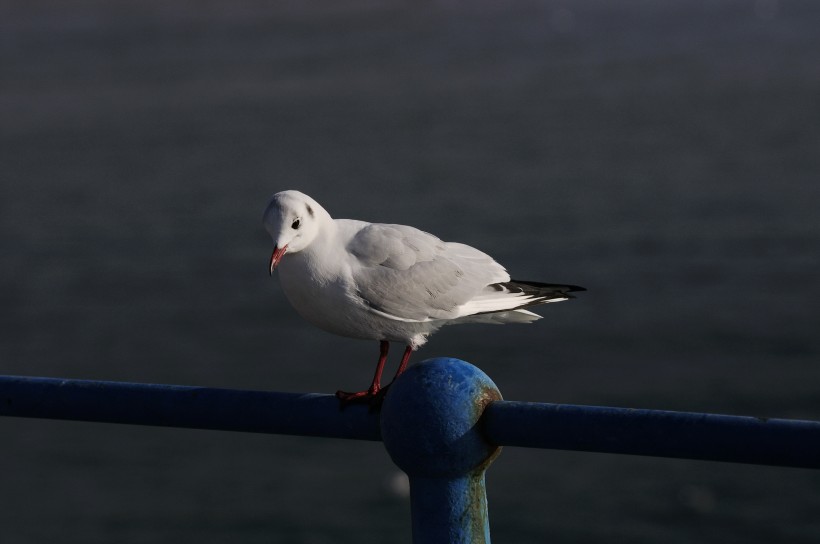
(391, 283)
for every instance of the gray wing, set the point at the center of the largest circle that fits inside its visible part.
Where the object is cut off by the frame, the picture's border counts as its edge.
(407, 274)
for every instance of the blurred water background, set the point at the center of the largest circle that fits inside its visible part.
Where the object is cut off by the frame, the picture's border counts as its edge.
(665, 155)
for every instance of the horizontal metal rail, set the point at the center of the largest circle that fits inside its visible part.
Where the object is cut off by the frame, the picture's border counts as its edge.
(185, 406)
(657, 433)
(739, 439)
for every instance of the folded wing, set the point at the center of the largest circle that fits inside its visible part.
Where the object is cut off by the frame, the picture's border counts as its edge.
(407, 274)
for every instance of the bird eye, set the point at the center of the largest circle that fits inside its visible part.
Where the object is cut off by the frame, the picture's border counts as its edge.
(295, 224)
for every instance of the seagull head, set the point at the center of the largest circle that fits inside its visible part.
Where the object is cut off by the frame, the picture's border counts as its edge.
(292, 219)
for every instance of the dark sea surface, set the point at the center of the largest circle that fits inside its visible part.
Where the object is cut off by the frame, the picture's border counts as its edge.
(666, 155)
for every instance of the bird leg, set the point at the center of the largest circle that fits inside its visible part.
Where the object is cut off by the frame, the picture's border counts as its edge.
(373, 391)
(404, 360)
(402, 366)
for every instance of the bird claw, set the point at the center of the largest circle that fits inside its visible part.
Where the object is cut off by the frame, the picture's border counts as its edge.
(372, 397)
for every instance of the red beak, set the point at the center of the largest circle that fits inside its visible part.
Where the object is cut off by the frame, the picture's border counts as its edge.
(278, 252)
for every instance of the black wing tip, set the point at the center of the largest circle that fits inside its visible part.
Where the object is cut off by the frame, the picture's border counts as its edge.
(557, 286)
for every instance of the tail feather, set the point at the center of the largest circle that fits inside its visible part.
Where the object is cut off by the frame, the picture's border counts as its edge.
(515, 294)
(500, 318)
(540, 292)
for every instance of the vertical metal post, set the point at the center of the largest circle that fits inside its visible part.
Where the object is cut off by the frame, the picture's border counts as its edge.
(429, 424)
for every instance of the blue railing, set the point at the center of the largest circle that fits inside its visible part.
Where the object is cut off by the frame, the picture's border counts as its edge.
(442, 422)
